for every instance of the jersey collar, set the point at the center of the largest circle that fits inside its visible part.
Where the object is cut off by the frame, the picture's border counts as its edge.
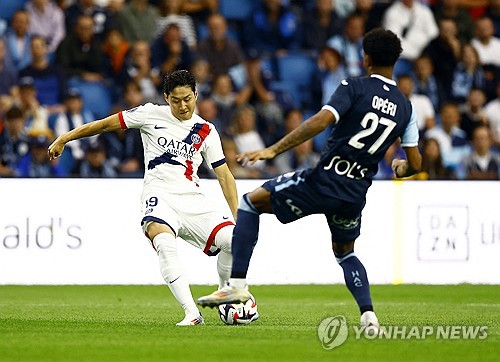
(382, 78)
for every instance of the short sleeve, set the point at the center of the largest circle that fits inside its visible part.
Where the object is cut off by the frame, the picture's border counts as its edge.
(212, 153)
(410, 136)
(134, 117)
(341, 100)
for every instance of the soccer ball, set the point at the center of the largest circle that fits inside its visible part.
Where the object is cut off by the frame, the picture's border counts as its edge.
(239, 313)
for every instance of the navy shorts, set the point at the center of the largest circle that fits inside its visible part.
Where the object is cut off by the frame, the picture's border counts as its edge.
(292, 198)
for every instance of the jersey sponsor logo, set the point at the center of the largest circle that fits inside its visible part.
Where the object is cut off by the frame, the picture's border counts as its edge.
(345, 224)
(349, 169)
(159, 127)
(178, 148)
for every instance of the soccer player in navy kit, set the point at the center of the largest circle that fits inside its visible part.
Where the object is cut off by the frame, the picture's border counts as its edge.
(369, 114)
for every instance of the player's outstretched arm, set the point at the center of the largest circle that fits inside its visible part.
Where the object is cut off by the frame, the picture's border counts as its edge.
(228, 186)
(305, 131)
(111, 123)
(410, 166)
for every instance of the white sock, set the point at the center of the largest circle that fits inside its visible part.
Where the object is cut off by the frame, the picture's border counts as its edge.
(171, 270)
(240, 283)
(224, 263)
(223, 241)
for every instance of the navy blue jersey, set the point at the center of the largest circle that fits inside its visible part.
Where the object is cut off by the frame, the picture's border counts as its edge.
(371, 113)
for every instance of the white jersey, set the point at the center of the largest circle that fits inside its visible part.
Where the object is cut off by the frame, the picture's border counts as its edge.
(173, 149)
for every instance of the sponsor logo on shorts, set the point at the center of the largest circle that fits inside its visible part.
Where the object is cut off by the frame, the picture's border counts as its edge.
(346, 224)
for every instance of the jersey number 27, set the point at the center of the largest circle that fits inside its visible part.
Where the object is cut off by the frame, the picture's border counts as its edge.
(370, 123)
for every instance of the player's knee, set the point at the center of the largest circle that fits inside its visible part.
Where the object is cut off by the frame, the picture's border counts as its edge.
(155, 228)
(223, 238)
(342, 249)
(258, 201)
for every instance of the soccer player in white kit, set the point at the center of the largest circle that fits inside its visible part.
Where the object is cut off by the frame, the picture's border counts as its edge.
(175, 143)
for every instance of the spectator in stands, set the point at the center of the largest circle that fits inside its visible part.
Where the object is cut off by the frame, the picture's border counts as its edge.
(124, 148)
(432, 163)
(227, 99)
(199, 10)
(47, 20)
(207, 109)
(371, 11)
(80, 53)
(13, 141)
(452, 10)
(468, 74)
(239, 172)
(445, 52)
(493, 12)
(140, 70)
(472, 113)
(328, 76)
(483, 163)
(171, 12)
(221, 52)
(36, 115)
(349, 45)
(8, 75)
(74, 116)
(95, 164)
(17, 39)
(272, 28)
(245, 133)
(414, 24)
(50, 79)
(492, 110)
(137, 21)
(115, 50)
(170, 52)
(425, 81)
(103, 18)
(486, 44)
(36, 162)
(319, 25)
(203, 76)
(452, 140)
(421, 104)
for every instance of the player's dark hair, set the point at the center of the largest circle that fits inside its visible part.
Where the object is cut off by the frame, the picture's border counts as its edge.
(178, 78)
(383, 47)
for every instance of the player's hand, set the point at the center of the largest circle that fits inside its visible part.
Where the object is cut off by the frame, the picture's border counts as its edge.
(56, 149)
(251, 157)
(399, 167)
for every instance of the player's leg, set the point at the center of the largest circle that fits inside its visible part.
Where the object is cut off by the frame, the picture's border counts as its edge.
(345, 229)
(165, 244)
(224, 258)
(243, 242)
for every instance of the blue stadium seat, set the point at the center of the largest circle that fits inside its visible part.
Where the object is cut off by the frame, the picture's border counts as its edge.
(9, 7)
(297, 69)
(236, 9)
(96, 97)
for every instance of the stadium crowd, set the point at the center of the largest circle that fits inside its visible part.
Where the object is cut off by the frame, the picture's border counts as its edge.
(261, 66)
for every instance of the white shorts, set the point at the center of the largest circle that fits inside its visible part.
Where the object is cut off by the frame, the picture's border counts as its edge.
(191, 217)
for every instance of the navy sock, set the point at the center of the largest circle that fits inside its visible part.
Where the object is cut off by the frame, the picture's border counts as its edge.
(245, 236)
(356, 280)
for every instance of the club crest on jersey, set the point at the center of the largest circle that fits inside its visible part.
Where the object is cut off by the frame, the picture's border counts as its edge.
(195, 138)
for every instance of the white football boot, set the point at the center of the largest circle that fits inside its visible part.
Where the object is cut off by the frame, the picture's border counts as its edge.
(225, 295)
(192, 320)
(370, 324)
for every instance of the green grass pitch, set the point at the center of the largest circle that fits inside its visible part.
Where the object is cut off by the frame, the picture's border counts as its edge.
(137, 323)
